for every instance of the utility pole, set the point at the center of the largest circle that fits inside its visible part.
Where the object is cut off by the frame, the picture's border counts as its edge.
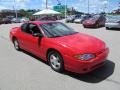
(65, 9)
(14, 7)
(46, 4)
(88, 7)
(108, 6)
(119, 6)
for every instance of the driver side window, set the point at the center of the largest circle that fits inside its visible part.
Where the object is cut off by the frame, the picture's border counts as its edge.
(30, 28)
(24, 27)
(33, 29)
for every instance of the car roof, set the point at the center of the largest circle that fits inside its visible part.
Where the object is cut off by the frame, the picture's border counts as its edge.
(41, 22)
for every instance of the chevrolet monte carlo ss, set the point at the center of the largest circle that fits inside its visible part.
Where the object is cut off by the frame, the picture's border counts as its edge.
(61, 46)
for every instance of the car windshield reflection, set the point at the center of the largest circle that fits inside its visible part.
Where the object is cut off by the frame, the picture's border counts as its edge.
(57, 29)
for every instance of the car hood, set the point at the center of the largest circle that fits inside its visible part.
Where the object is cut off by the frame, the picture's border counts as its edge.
(78, 19)
(90, 20)
(112, 21)
(81, 43)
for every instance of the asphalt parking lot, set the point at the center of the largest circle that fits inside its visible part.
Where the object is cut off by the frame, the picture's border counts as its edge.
(23, 71)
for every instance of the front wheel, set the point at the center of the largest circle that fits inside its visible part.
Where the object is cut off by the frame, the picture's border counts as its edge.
(84, 26)
(56, 61)
(16, 44)
(97, 25)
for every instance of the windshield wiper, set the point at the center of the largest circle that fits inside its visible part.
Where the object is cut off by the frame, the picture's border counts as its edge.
(56, 36)
(71, 33)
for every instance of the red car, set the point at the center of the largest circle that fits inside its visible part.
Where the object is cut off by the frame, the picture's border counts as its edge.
(95, 21)
(62, 47)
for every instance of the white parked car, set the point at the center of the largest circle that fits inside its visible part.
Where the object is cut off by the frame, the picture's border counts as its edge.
(24, 20)
(78, 20)
(81, 18)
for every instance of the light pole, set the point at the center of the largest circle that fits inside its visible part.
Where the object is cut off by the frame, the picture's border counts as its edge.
(105, 5)
(88, 7)
(14, 7)
(65, 9)
(119, 6)
(46, 4)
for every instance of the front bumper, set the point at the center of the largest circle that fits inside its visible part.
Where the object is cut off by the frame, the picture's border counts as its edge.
(77, 21)
(81, 67)
(89, 25)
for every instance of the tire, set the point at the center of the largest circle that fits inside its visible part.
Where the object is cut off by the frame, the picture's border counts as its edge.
(16, 44)
(72, 21)
(97, 25)
(55, 61)
(107, 28)
(84, 26)
(66, 21)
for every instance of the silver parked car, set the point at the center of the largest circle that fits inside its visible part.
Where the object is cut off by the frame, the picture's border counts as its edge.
(112, 22)
(78, 20)
(82, 18)
(15, 20)
(70, 19)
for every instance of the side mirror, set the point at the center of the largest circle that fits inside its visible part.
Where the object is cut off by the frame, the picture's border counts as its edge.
(37, 35)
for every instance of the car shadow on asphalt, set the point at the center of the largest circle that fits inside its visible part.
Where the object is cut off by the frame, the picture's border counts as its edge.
(95, 76)
(94, 27)
(114, 29)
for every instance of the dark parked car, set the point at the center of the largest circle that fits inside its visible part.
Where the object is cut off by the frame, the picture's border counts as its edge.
(5, 21)
(85, 17)
(95, 21)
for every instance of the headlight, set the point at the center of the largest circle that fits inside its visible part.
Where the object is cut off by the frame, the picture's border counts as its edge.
(85, 56)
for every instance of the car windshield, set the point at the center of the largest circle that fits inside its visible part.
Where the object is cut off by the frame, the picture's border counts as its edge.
(79, 17)
(113, 18)
(57, 29)
(94, 17)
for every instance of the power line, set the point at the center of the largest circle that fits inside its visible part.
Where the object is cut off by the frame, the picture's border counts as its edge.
(46, 4)
(59, 3)
(11, 1)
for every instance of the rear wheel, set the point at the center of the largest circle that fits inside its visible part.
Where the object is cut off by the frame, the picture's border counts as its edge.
(67, 21)
(97, 25)
(16, 44)
(56, 61)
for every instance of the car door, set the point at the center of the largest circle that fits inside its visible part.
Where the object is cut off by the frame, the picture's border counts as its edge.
(118, 24)
(98, 20)
(102, 20)
(29, 42)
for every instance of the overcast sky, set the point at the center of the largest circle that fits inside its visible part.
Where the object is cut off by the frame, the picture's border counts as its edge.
(80, 5)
